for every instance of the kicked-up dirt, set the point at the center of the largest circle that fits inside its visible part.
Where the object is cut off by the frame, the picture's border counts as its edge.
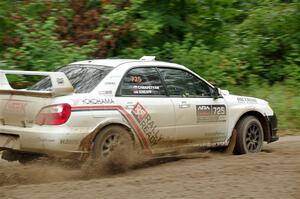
(273, 173)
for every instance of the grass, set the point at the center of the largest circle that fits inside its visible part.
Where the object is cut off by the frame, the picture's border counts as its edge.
(287, 132)
(285, 101)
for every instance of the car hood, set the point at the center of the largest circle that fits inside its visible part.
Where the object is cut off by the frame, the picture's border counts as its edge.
(247, 100)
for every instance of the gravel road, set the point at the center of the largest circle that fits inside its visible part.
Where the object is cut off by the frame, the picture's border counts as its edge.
(273, 173)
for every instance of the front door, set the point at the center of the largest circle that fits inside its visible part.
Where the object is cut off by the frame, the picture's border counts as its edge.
(200, 119)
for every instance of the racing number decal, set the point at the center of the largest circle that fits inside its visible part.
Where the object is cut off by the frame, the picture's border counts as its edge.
(219, 110)
(211, 113)
(136, 79)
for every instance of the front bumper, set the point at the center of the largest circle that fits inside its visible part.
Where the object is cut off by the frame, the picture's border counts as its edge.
(272, 124)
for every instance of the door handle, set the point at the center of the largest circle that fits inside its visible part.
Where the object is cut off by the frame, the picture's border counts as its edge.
(184, 104)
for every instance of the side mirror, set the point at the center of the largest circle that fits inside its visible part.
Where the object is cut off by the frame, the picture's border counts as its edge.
(216, 93)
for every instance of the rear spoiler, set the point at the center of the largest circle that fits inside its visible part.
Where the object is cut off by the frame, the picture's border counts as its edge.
(60, 84)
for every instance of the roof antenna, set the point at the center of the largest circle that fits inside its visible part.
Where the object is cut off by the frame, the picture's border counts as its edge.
(148, 58)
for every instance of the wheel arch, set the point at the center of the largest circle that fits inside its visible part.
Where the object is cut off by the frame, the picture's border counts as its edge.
(261, 118)
(87, 142)
(107, 125)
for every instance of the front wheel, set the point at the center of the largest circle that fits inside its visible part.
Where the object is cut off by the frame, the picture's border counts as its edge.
(250, 136)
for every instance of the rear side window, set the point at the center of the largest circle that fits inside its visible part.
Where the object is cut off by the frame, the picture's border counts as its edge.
(142, 82)
(84, 78)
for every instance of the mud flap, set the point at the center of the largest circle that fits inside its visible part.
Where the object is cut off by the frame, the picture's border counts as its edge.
(232, 142)
(86, 145)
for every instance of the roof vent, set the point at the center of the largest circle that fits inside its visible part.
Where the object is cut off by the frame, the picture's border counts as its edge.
(148, 58)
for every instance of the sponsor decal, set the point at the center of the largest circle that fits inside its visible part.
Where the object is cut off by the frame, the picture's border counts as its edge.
(139, 112)
(16, 107)
(147, 124)
(69, 141)
(125, 114)
(211, 113)
(109, 83)
(98, 101)
(246, 100)
(109, 92)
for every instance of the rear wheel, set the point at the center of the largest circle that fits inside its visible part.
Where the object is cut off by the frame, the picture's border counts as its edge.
(250, 136)
(112, 141)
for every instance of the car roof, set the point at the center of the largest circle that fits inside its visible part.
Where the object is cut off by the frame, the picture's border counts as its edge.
(144, 61)
(105, 62)
(117, 62)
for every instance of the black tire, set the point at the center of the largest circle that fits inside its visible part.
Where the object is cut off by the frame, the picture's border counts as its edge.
(249, 136)
(113, 139)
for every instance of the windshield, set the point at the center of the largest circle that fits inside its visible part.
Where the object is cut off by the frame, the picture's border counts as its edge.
(84, 78)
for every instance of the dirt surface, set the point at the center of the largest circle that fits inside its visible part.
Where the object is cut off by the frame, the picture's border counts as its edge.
(273, 173)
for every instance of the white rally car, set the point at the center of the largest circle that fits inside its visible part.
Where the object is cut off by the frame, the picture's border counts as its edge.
(84, 107)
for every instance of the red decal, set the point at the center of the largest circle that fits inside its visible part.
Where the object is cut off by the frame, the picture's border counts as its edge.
(139, 112)
(129, 118)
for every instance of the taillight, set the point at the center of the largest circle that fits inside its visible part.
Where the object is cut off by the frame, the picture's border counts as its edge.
(54, 115)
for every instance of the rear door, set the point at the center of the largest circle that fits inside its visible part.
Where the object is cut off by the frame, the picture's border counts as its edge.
(199, 117)
(143, 95)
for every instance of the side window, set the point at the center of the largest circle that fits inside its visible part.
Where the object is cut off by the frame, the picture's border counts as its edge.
(184, 84)
(142, 82)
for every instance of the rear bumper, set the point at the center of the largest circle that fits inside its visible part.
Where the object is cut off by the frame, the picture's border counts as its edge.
(272, 123)
(58, 140)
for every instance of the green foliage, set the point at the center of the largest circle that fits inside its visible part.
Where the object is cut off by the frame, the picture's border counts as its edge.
(231, 43)
(199, 59)
(41, 48)
(269, 42)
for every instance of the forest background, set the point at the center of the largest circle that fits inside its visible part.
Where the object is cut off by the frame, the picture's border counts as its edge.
(248, 47)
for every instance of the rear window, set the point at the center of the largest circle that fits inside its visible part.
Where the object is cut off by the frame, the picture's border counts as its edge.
(84, 78)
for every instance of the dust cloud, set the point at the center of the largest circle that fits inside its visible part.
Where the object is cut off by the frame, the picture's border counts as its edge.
(47, 170)
(273, 173)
